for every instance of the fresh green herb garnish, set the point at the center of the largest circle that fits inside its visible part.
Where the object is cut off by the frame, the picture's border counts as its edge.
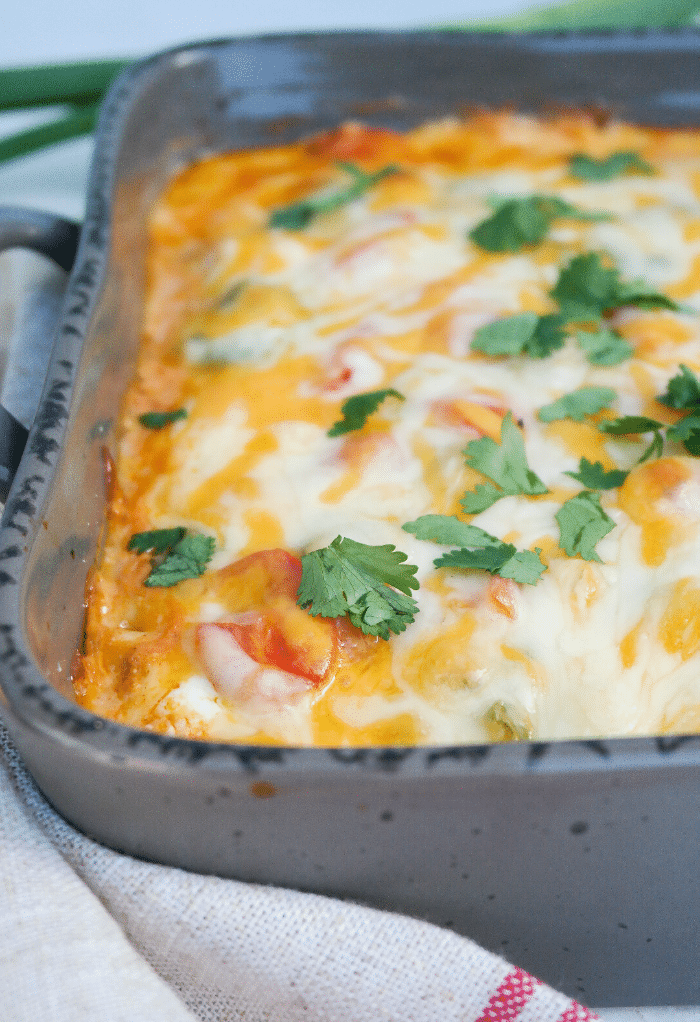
(157, 420)
(595, 477)
(683, 394)
(687, 432)
(357, 409)
(604, 347)
(508, 336)
(682, 391)
(520, 222)
(478, 549)
(505, 464)
(155, 541)
(587, 288)
(177, 555)
(299, 214)
(360, 581)
(524, 334)
(585, 168)
(577, 405)
(451, 531)
(187, 559)
(582, 523)
(630, 424)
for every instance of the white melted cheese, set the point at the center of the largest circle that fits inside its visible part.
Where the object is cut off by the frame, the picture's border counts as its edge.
(555, 663)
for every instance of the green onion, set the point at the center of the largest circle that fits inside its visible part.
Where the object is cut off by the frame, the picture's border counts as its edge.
(79, 122)
(80, 86)
(51, 84)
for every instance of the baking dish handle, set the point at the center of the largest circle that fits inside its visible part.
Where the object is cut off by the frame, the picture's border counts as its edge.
(51, 236)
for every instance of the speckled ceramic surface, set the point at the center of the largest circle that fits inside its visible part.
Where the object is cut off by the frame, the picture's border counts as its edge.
(578, 852)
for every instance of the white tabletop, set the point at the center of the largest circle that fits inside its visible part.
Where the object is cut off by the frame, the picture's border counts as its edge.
(55, 180)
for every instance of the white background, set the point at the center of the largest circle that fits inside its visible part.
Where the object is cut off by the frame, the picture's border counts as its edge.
(47, 30)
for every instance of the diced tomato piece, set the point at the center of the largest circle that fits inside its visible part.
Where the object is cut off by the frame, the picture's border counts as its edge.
(356, 141)
(239, 677)
(267, 573)
(283, 639)
(341, 378)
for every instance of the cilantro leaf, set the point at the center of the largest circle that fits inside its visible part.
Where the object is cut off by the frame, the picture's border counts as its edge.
(523, 334)
(517, 223)
(479, 549)
(156, 541)
(505, 464)
(480, 498)
(451, 531)
(585, 168)
(186, 559)
(299, 214)
(548, 336)
(682, 391)
(594, 477)
(487, 558)
(587, 288)
(629, 424)
(360, 581)
(357, 409)
(157, 420)
(604, 347)
(578, 404)
(582, 523)
(637, 293)
(686, 432)
(507, 336)
(524, 566)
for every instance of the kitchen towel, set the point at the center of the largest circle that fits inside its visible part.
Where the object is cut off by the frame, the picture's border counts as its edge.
(90, 935)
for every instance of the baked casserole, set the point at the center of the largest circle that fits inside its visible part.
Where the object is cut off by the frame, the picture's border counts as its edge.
(410, 454)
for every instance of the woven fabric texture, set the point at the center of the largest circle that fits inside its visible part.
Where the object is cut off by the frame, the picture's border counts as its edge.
(88, 933)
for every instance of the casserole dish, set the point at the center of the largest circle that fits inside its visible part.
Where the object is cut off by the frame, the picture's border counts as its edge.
(575, 860)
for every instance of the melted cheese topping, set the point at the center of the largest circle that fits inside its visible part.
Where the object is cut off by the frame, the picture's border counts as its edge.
(261, 334)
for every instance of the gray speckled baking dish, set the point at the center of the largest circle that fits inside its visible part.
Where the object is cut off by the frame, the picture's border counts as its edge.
(577, 860)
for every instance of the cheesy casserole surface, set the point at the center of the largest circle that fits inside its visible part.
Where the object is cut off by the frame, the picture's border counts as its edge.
(475, 344)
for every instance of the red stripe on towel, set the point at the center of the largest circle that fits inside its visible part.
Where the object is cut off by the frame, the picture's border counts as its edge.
(511, 997)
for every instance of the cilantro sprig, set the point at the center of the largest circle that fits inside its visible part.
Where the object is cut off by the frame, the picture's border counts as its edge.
(588, 287)
(594, 477)
(604, 347)
(682, 394)
(577, 405)
(477, 549)
(586, 290)
(586, 168)
(629, 425)
(582, 523)
(358, 408)
(518, 223)
(523, 334)
(682, 391)
(158, 420)
(298, 215)
(359, 581)
(505, 464)
(175, 554)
